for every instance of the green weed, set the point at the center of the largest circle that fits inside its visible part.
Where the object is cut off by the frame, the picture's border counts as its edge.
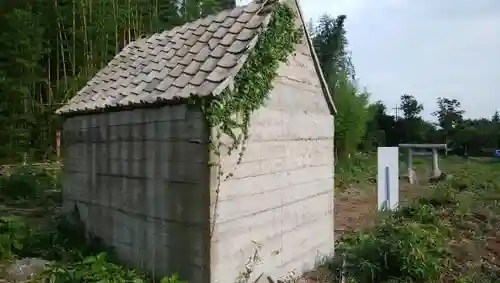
(31, 185)
(95, 268)
(449, 235)
(61, 239)
(13, 234)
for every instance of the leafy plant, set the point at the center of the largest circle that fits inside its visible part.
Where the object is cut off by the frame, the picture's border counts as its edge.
(13, 233)
(448, 234)
(408, 251)
(91, 269)
(76, 256)
(172, 279)
(30, 183)
(99, 269)
(22, 184)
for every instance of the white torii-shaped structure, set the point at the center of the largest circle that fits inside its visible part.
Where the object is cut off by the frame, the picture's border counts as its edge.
(416, 149)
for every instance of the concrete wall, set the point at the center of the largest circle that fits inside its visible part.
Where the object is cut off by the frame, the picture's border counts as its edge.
(139, 179)
(281, 195)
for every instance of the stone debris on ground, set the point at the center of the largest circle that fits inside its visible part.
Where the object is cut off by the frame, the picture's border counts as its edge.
(22, 270)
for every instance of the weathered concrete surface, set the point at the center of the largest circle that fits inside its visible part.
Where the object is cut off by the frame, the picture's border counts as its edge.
(139, 179)
(281, 195)
(142, 182)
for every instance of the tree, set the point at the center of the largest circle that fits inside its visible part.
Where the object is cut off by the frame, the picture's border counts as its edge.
(449, 115)
(410, 129)
(50, 49)
(410, 106)
(496, 118)
(379, 127)
(350, 122)
(330, 42)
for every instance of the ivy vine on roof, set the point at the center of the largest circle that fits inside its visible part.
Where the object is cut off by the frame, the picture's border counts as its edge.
(230, 111)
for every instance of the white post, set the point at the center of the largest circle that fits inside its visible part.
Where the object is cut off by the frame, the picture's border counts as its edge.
(388, 177)
(410, 166)
(436, 173)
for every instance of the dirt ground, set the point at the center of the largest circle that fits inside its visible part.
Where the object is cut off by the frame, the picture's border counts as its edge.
(356, 207)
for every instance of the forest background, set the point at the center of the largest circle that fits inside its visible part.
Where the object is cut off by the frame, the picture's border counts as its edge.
(50, 48)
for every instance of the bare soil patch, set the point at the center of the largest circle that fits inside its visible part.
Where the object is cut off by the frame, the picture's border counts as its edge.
(356, 207)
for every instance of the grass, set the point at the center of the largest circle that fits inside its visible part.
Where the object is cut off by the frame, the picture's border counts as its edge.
(359, 170)
(450, 233)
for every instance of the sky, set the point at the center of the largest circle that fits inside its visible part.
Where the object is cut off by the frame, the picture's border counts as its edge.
(426, 48)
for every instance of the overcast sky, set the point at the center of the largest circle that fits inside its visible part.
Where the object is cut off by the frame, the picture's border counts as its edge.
(427, 48)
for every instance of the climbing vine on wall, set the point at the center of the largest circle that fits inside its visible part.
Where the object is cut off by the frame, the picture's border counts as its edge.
(230, 112)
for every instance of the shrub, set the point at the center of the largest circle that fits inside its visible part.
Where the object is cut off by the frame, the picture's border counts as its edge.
(96, 268)
(63, 240)
(20, 185)
(30, 183)
(91, 269)
(60, 238)
(13, 234)
(449, 234)
(398, 247)
(419, 212)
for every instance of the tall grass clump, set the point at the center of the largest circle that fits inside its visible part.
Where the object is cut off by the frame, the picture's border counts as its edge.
(408, 246)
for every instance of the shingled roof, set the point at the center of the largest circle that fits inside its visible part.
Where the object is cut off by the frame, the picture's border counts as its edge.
(199, 58)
